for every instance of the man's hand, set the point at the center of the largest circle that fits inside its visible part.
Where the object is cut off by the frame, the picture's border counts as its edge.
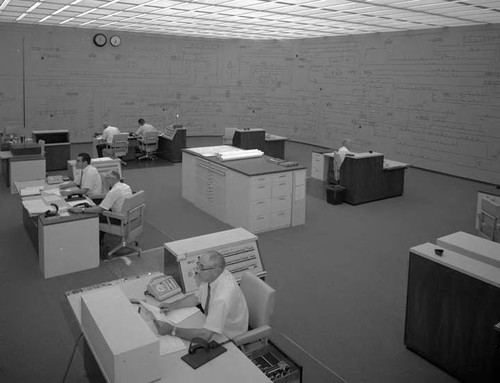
(164, 328)
(166, 307)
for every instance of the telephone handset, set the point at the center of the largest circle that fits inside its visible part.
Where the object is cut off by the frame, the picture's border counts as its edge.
(75, 197)
(163, 287)
(50, 213)
(82, 204)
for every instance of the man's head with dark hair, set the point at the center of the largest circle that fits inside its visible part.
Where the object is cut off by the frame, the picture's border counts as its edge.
(141, 121)
(85, 157)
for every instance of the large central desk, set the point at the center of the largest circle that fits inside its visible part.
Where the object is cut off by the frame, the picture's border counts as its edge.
(232, 366)
(256, 193)
(64, 243)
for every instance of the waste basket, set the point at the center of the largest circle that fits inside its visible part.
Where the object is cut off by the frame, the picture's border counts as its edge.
(335, 194)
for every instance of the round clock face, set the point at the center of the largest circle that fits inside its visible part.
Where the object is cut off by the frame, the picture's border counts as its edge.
(100, 40)
(115, 41)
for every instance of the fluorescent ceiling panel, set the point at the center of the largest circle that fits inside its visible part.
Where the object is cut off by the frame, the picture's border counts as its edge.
(262, 19)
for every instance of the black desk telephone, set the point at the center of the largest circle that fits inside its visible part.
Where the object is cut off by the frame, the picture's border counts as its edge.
(51, 213)
(83, 204)
(75, 197)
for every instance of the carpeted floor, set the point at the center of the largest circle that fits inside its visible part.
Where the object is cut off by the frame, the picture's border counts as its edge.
(341, 277)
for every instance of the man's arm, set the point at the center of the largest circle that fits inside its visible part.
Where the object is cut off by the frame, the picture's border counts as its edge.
(187, 301)
(165, 328)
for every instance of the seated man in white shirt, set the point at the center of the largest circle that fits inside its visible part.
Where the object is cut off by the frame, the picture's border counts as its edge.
(90, 182)
(221, 299)
(107, 137)
(112, 202)
(144, 127)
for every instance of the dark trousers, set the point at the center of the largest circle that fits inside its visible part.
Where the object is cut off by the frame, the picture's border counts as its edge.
(99, 148)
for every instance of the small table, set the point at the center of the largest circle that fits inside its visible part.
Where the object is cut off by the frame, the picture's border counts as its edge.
(232, 366)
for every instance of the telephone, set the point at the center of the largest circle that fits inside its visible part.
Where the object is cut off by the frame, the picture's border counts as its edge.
(50, 213)
(55, 179)
(75, 197)
(83, 204)
(163, 287)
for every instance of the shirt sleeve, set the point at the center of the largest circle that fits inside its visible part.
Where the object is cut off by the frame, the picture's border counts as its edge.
(109, 200)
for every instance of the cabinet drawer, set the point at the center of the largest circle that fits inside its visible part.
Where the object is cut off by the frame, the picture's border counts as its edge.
(281, 188)
(260, 191)
(280, 204)
(260, 180)
(280, 219)
(259, 222)
(259, 207)
(281, 177)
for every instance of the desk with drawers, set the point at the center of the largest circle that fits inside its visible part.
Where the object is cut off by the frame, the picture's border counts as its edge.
(256, 194)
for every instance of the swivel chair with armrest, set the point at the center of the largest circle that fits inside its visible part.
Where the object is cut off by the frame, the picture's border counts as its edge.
(118, 147)
(260, 299)
(131, 223)
(148, 144)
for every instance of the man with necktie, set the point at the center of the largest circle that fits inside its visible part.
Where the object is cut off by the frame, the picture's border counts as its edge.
(90, 182)
(221, 298)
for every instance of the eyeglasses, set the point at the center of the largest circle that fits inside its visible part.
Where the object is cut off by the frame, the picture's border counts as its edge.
(201, 268)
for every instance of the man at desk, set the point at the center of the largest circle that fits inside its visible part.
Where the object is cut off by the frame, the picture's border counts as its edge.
(221, 298)
(90, 182)
(114, 198)
(144, 127)
(107, 137)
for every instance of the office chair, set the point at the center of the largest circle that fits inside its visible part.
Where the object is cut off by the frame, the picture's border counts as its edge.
(489, 219)
(131, 223)
(260, 299)
(148, 144)
(118, 147)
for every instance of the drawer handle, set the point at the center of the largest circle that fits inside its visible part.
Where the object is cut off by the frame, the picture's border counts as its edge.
(283, 183)
(260, 217)
(261, 187)
(260, 203)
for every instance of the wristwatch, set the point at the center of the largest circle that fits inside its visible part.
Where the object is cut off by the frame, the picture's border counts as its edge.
(173, 331)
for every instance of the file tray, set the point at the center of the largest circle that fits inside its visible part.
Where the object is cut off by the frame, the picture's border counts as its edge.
(202, 355)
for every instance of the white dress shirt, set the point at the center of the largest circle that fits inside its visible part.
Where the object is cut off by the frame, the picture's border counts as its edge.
(108, 133)
(228, 312)
(115, 197)
(91, 179)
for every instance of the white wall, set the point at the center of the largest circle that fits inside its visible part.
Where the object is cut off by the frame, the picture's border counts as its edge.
(430, 98)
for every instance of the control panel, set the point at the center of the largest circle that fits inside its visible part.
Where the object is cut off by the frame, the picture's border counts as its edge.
(238, 246)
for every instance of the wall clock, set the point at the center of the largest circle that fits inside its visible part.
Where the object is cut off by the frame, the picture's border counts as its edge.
(100, 40)
(115, 41)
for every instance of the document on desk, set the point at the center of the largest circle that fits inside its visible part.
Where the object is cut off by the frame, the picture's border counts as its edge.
(173, 317)
(36, 206)
(54, 191)
(51, 199)
(168, 343)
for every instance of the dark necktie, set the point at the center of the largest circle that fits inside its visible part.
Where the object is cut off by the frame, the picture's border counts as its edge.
(207, 302)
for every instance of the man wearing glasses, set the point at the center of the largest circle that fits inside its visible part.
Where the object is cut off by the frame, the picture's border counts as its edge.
(90, 182)
(220, 297)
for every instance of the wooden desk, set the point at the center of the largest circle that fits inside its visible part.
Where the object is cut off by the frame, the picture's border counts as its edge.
(232, 366)
(368, 177)
(64, 244)
(453, 304)
(275, 146)
(254, 193)
(170, 144)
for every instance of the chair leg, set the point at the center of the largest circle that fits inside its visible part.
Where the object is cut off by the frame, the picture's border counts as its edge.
(126, 245)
